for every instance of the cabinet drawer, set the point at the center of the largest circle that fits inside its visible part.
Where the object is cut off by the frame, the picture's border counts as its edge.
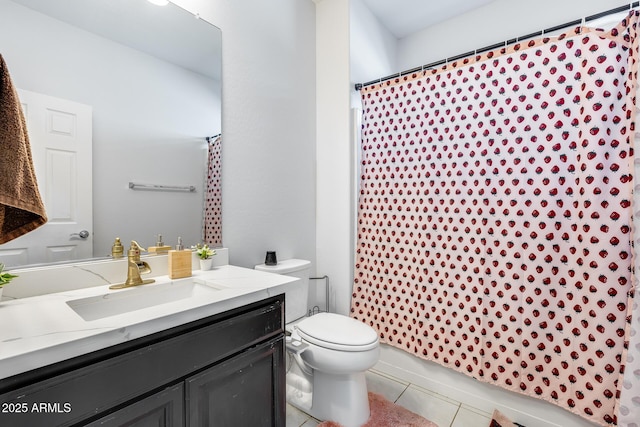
(158, 360)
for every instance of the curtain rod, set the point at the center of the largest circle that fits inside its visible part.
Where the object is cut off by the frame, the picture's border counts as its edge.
(210, 138)
(630, 6)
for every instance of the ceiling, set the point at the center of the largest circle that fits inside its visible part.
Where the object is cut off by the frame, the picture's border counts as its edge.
(405, 17)
(192, 43)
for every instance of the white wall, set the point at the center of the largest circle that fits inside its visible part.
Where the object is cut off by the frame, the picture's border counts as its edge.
(268, 123)
(493, 23)
(135, 137)
(373, 49)
(334, 153)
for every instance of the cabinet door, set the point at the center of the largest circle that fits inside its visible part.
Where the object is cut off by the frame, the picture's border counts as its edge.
(163, 409)
(246, 390)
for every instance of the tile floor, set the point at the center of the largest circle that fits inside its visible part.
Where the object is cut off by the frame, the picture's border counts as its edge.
(441, 410)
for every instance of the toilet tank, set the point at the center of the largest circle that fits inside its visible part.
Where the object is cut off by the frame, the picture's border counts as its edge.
(296, 299)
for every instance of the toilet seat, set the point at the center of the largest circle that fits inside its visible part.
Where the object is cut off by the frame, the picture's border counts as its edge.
(337, 332)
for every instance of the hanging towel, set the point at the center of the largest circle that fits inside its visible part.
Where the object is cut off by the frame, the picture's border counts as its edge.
(21, 208)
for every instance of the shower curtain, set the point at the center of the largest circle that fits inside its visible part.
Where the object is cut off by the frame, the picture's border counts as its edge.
(494, 217)
(629, 412)
(213, 197)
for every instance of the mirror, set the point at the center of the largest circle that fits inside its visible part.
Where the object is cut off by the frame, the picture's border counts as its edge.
(151, 76)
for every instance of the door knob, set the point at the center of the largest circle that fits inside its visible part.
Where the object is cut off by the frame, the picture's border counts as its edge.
(82, 234)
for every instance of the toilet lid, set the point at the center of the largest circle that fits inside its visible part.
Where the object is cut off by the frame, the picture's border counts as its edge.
(337, 332)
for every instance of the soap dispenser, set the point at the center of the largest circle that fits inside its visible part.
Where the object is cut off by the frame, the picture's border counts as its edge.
(117, 250)
(180, 261)
(160, 247)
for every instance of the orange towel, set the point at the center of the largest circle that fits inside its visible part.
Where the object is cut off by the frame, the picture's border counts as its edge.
(21, 208)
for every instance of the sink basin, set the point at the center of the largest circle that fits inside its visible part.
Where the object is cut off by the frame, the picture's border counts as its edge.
(137, 298)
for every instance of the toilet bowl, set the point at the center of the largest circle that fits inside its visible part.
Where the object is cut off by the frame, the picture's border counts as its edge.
(338, 350)
(331, 353)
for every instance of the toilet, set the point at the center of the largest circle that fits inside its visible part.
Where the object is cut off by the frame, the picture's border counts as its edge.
(330, 353)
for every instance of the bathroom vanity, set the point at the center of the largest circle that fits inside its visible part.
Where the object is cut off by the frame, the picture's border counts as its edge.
(214, 357)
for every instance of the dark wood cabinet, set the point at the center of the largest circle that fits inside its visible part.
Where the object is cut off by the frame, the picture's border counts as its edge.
(162, 409)
(219, 395)
(224, 370)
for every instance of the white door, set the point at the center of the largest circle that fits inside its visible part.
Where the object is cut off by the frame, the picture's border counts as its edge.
(60, 132)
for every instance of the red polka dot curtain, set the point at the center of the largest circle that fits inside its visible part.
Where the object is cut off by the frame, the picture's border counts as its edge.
(213, 196)
(494, 223)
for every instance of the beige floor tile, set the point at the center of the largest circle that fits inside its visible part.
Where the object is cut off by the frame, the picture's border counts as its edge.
(468, 417)
(384, 385)
(435, 394)
(388, 376)
(296, 418)
(476, 410)
(311, 422)
(443, 411)
(429, 405)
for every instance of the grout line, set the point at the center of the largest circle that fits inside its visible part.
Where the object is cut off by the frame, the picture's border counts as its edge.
(400, 395)
(436, 394)
(475, 410)
(456, 414)
(388, 377)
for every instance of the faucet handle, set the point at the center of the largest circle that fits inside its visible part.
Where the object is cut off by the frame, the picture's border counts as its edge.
(136, 246)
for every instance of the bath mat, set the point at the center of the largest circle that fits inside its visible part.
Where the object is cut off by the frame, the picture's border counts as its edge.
(388, 414)
(500, 420)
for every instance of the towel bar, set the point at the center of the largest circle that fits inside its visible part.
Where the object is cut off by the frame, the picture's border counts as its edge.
(155, 187)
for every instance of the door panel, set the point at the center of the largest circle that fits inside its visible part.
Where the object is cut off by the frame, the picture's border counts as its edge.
(60, 133)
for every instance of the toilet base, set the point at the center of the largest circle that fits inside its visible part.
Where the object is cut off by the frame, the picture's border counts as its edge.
(299, 392)
(299, 386)
(299, 399)
(340, 398)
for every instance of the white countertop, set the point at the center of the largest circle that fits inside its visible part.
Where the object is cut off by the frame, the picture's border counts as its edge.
(42, 330)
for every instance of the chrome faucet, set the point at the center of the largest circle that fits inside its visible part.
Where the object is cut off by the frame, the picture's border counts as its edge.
(135, 267)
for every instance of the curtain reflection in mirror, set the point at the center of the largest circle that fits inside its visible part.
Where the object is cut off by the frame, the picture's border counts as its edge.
(213, 195)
